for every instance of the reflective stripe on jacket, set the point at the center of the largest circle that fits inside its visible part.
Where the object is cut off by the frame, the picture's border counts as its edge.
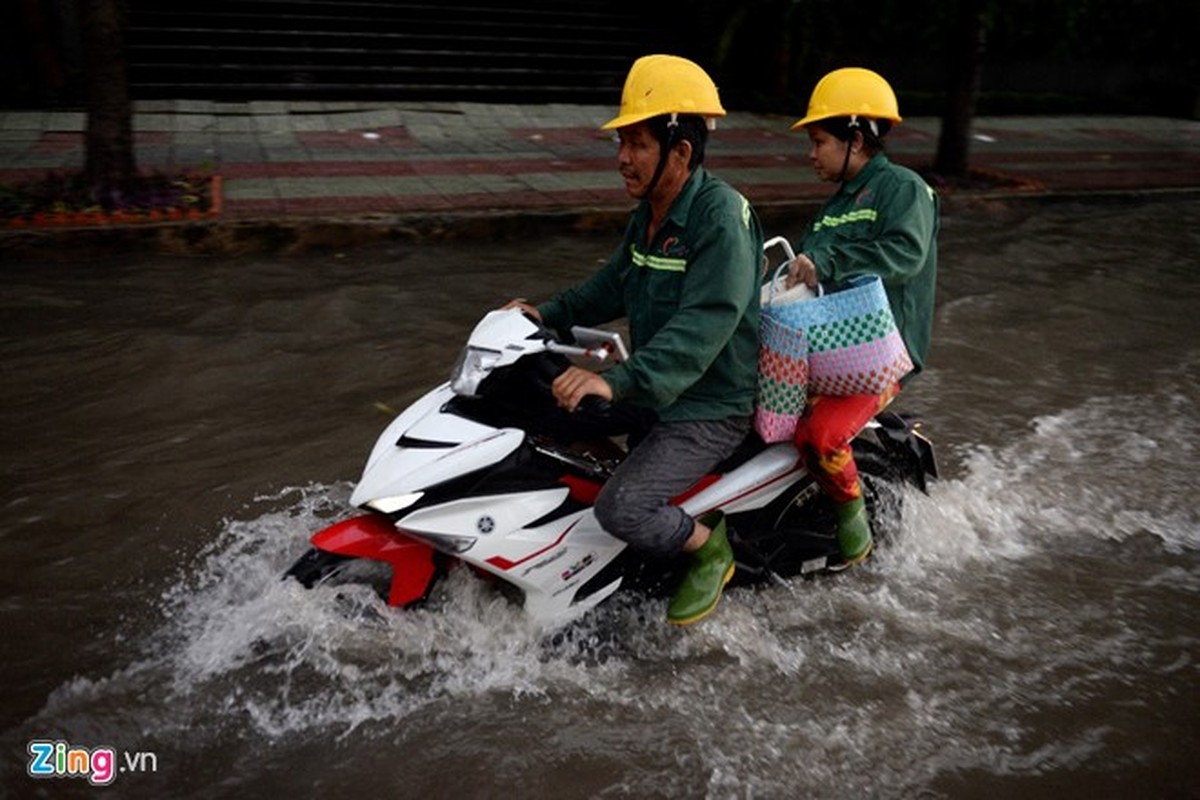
(691, 298)
(883, 222)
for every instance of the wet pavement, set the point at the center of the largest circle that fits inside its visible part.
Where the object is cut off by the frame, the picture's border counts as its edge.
(395, 167)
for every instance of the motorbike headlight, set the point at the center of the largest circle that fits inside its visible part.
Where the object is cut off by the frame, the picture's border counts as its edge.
(390, 505)
(473, 365)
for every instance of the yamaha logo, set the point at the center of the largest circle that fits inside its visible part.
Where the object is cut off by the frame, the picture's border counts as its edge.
(485, 524)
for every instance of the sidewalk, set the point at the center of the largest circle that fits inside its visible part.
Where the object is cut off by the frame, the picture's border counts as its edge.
(295, 163)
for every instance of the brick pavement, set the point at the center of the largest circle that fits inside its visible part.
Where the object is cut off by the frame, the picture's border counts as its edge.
(367, 161)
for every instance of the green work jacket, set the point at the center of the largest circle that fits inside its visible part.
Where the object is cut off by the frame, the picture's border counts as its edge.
(883, 222)
(691, 298)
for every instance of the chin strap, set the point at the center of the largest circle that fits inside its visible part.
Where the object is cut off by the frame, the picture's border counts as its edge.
(672, 133)
(854, 125)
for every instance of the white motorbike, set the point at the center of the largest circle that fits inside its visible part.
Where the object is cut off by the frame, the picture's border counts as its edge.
(486, 471)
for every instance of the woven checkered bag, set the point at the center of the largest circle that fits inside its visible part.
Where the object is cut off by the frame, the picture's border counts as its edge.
(854, 346)
(782, 379)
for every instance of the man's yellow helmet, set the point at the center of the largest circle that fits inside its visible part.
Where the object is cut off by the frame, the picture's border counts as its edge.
(851, 92)
(661, 84)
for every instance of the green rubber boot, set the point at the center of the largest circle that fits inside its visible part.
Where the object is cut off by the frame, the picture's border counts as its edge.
(853, 532)
(711, 568)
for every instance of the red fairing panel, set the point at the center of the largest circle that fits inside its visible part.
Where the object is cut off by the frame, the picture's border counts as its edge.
(373, 536)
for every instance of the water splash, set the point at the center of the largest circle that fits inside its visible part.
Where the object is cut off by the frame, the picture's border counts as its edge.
(1112, 468)
(1008, 591)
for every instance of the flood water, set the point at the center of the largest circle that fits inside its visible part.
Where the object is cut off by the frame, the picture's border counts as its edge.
(176, 428)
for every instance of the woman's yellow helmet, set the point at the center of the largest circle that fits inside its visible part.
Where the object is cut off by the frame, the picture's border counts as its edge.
(661, 84)
(851, 92)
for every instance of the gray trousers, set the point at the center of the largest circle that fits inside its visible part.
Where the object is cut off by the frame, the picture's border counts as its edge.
(634, 505)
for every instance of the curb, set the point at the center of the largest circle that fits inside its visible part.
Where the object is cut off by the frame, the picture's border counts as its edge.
(300, 236)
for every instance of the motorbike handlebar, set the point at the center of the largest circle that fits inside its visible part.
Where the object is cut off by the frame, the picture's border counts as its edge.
(547, 369)
(594, 406)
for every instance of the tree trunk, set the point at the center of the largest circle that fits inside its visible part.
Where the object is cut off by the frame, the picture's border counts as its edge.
(109, 167)
(965, 55)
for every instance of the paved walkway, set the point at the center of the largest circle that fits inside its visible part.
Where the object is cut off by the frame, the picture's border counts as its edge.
(298, 161)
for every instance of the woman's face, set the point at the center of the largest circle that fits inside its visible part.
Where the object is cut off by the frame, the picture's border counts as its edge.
(828, 153)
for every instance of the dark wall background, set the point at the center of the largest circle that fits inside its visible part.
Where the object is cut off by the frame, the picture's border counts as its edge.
(1042, 56)
(40, 53)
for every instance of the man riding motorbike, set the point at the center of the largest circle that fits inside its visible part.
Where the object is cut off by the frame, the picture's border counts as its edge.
(687, 277)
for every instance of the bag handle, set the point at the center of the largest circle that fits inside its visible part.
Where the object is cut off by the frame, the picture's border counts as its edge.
(781, 242)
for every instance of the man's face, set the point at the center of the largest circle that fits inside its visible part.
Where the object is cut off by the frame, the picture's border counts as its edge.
(828, 153)
(637, 158)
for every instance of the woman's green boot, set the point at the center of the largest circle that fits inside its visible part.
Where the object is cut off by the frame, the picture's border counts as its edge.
(710, 569)
(853, 532)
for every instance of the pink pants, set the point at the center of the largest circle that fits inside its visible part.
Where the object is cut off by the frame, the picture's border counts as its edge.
(824, 434)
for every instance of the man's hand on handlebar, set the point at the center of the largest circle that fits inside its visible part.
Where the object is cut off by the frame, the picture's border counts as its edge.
(524, 305)
(575, 383)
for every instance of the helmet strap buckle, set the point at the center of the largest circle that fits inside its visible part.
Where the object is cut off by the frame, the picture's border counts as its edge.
(871, 123)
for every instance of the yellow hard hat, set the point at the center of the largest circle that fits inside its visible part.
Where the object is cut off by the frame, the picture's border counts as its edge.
(851, 92)
(661, 84)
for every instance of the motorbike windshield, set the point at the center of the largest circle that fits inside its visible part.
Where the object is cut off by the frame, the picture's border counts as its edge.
(473, 365)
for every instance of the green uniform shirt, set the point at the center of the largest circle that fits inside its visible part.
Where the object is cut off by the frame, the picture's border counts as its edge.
(691, 297)
(883, 222)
